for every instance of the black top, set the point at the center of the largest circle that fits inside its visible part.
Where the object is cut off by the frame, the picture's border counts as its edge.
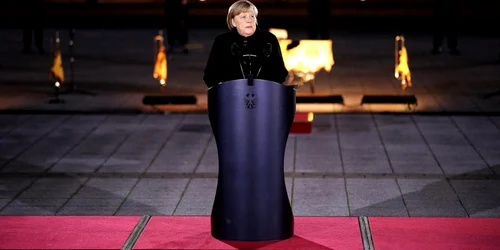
(227, 58)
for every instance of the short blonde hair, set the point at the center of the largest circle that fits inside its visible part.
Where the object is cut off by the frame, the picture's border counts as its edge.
(239, 7)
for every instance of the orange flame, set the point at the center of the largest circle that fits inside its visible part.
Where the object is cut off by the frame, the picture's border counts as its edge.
(160, 67)
(56, 71)
(310, 56)
(402, 70)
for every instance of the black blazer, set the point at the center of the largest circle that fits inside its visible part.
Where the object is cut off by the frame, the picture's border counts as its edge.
(224, 61)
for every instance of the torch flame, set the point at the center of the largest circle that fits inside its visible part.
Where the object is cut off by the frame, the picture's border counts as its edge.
(304, 58)
(402, 70)
(160, 67)
(56, 71)
(310, 56)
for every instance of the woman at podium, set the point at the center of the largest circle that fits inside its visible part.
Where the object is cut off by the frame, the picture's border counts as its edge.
(251, 115)
(245, 51)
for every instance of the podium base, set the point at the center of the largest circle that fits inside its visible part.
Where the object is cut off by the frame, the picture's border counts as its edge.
(251, 125)
(259, 242)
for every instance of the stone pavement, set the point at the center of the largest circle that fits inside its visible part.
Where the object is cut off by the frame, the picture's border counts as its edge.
(117, 66)
(166, 164)
(55, 160)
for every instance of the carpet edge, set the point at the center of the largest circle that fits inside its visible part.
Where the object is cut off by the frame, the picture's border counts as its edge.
(136, 232)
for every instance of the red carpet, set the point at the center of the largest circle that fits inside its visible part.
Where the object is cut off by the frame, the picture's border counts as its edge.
(65, 232)
(193, 232)
(312, 233)
(435, 233)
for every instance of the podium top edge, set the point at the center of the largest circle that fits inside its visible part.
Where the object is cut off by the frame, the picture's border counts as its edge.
(245, 81)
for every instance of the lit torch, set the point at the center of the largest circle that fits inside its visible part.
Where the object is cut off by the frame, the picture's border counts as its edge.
(401, 69)
(160, 67)
(56, 72)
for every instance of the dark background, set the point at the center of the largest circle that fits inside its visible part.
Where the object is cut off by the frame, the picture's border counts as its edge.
(478, 16)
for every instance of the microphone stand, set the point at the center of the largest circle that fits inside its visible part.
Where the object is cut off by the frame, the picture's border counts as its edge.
(250, 75)
(237, 52)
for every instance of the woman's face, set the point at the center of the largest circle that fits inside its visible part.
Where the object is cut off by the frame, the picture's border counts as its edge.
(245, 23)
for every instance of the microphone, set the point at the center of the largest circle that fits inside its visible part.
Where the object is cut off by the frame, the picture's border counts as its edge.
(235, 50)
(268, 50)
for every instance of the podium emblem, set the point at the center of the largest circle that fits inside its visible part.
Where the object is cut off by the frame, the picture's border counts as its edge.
(250, 100)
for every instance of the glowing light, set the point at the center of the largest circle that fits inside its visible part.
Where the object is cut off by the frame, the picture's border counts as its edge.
(402, 70)
(309, 56)
(304, 58)
(160, 67)
(310, 117)
(56, 70)
(279, 33)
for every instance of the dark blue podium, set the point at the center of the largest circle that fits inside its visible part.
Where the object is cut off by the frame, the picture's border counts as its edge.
(251, 125)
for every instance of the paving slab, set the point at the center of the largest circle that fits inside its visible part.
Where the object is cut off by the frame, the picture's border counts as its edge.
(375, 196)
(431, 197)
(320, 196)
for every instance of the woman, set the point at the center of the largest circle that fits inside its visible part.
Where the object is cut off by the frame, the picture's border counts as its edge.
(245, 51)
